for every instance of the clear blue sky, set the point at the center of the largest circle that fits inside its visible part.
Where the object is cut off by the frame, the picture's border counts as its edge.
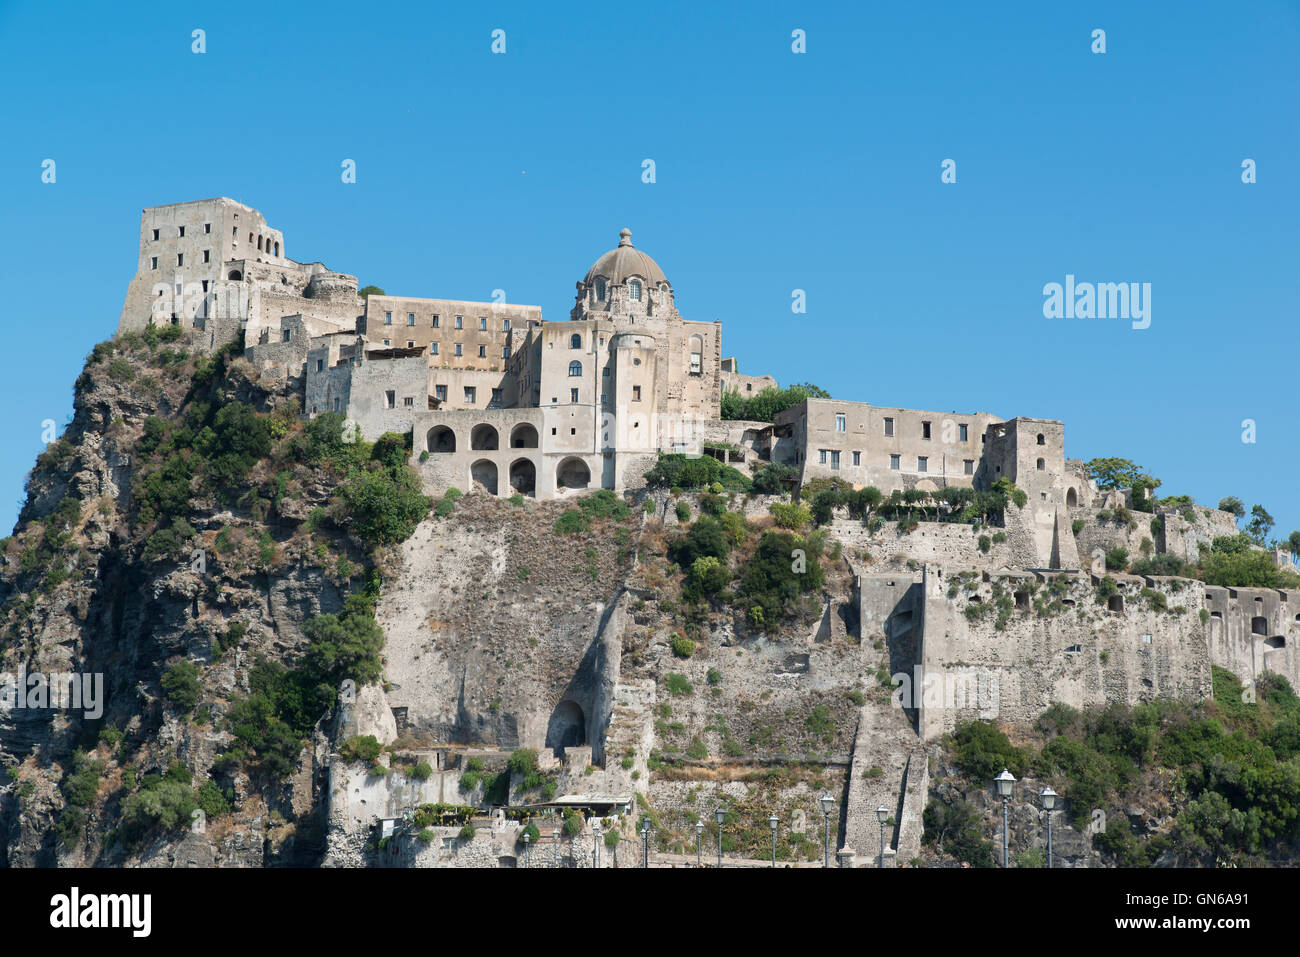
(775, 171)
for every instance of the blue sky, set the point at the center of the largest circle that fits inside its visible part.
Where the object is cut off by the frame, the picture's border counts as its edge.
(775, 171)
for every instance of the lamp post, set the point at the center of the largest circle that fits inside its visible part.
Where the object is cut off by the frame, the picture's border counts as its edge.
(1005, 782)
(719, 815)
(827, 803)
(699, 837)
(1049, 804)
(882, 815)
(772, 823)
(557, 838)
(595, 845)
(645, 842)
(525, 841)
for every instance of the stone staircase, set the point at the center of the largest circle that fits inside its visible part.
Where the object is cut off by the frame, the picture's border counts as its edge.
(889, 767)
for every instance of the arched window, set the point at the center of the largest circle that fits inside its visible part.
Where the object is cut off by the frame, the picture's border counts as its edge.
(663, 295)
(1041, 440)
(575, 368)
(277, 249)
(575, 341)
(634, 290)
(259, 243)
(1042, 465)
(697, 355)
(600, 290)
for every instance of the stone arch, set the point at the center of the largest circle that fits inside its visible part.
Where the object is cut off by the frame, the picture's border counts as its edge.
(484, 472)
(1259, 625)
(1071, 498)
(523, 476)
(523, 436)
(925, 485)
(572, 473)
(567, 727)
(484, 438)
(441, 439)
(235, 274)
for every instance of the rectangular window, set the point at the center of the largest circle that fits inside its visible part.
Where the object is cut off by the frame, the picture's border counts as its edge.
(604, 401)
(482, 352)
(410, 318)
(207, 228)
(433, 347)
(182, 232)
(573, 395)
(409, 401)
(387, 343)
(460, 322)
(320, 365)
(889, 426)
(388, 318)
(471, 393)
(458, 350)
(154, 262)
(925, 430)
(410, 343)
(180, 259)
(895, 462)
(506, 327)
(505, 352)
(482, 324)
(968, 466)
(963, 433)
(440, 393)
(636, 393)
(435, 322)
(835, 459)
(695, 363)
(336, 404)
(390, 399)
(821, 456)
(287, 334)
(841, 422)
(155, 235)
(496, 397)
(207, 255)
(922, 464)
(605, 372)
(857, 458)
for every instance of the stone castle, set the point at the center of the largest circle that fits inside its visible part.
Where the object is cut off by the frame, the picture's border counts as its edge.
(500, 400)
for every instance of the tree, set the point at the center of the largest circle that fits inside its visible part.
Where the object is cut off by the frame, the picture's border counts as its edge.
(370, 291)
(1113, 473)
(1260, 524)
(1293, 543)
(1232, 505)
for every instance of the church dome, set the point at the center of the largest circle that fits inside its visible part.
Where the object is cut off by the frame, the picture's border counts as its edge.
(623, 261)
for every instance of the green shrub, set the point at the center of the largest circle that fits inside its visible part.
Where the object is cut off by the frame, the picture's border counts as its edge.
(364, 749)
(180, 683)
(682, 646)
(572, 522)
(683, 512)
(467, 832)
(422, 771)
(677, 685)
(384, 505)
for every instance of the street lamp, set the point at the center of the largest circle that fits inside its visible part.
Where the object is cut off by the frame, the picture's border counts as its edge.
(1049, 804)
(1005, 782)
(556, 825)
(645, 842)
(719, 815)
(699, 837)
(595, 845)
(827, 803)
(882, 815)
(525, 843)
(772, 823)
